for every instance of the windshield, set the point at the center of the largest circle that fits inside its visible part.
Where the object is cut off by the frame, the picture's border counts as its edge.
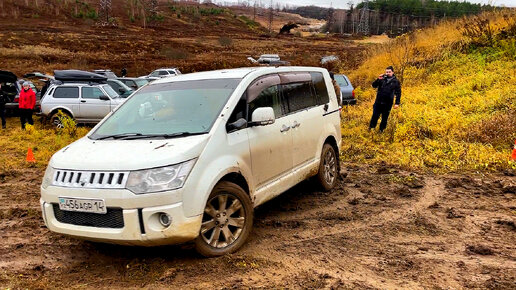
(141, 83)
(109, 90)
(127, 89)
(185, 107)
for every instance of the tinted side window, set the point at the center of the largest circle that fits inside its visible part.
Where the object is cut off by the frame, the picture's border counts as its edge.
(269, 97)
(66, 93)
(163, 73)
(320, 88)
(91, 93)
(299, 96)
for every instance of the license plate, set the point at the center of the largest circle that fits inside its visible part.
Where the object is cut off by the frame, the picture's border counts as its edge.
(82, 205)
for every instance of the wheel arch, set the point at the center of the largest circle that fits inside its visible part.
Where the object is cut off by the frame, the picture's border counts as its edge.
(238, 179)
(62, 109)
(333, 143)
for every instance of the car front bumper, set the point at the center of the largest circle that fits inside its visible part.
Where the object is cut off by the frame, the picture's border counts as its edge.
(139, 225)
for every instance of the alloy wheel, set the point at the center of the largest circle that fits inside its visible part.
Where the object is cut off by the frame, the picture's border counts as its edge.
(223, 220)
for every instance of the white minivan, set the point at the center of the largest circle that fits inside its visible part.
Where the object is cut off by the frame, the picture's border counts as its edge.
(188, 158)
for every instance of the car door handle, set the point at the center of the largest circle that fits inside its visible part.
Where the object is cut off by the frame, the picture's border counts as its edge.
(284, 128)
(296, 124)
(83, 101)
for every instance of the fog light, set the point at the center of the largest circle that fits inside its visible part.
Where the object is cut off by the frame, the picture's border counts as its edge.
(165, 219)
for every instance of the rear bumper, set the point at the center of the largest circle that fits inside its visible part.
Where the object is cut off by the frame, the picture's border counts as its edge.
(349, 101)
(11, 106)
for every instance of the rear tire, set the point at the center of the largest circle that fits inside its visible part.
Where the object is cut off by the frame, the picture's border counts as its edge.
(328, 168)
(227, 221)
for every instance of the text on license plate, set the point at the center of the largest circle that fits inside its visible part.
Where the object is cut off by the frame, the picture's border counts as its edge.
(82, 205)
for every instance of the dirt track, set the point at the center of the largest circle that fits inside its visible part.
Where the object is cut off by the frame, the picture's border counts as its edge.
(382, 228)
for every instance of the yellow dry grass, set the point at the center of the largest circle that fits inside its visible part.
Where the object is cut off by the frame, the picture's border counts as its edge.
(458, 102)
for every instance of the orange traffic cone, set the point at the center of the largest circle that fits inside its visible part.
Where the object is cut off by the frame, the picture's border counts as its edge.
(514, 152)
(30, 156)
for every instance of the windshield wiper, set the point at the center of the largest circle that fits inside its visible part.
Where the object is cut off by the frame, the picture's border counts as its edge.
(118, 136)
(165, 136)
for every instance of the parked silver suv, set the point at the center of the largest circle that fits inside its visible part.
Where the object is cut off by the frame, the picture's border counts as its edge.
(81, 95)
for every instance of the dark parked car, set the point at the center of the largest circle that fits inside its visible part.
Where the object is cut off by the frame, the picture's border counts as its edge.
(134, 83)
(347, 90)
(122, 89)
(12, 86)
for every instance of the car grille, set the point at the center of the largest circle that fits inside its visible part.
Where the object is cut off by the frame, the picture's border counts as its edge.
(114, 218)
(89, 179)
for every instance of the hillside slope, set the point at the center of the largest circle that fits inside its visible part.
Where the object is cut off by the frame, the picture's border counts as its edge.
(192, 37)
(458, 103)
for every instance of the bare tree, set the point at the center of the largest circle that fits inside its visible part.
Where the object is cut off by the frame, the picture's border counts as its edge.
(401, 53)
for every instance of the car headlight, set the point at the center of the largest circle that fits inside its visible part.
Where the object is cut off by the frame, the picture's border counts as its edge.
(159, 179)
(47, 178)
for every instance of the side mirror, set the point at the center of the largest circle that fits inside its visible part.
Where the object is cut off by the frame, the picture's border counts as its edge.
(104, 98)
(263, 116)
(237, 125)
(122, 90)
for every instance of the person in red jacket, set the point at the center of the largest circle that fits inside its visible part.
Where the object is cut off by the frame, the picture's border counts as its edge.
(27, 102)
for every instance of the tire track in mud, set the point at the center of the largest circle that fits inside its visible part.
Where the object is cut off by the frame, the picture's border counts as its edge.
(321, 254)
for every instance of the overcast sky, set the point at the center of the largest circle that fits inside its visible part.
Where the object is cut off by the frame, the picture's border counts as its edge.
(344, 3)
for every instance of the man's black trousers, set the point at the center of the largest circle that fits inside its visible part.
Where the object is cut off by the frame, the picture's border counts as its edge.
(2, 114)
(380, 110)
(26, 117)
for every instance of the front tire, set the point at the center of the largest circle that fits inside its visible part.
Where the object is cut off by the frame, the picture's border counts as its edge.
(55, 119)
(226, 222)
(328, 168)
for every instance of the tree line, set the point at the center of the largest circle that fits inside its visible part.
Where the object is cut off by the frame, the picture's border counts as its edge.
(428, 8)
(415, 8)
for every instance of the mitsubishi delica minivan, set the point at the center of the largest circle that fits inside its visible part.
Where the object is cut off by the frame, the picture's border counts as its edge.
(188, 158)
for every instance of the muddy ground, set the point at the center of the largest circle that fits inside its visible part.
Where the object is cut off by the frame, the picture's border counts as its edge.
(381, 228)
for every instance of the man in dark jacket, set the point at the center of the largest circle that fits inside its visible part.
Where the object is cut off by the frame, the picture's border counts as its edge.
(3, 100)
(388, 86)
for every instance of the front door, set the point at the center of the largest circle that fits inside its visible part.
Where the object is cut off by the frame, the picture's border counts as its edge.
(92, 107)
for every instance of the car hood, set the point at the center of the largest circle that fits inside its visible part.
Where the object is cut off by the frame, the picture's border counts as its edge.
(124, 155)
(7, 76)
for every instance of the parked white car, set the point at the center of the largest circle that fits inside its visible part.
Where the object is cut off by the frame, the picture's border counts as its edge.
(163, 72)
(81, 95)
(188, 158)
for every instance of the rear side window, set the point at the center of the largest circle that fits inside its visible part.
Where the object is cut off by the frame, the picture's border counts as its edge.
(341, 80)
(320, 88)
(91, 93)
(66, 93)
(299, 96)
(171, 72)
